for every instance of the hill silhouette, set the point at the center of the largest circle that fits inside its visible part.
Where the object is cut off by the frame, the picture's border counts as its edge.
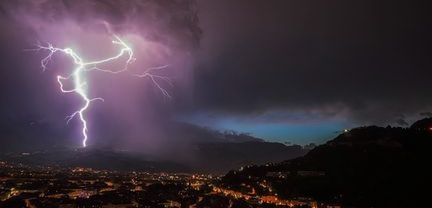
(364, 167)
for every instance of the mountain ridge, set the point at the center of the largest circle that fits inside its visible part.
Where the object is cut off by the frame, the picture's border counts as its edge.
(363, 167)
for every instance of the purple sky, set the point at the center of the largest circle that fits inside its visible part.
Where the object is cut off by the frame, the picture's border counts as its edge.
(288, 71)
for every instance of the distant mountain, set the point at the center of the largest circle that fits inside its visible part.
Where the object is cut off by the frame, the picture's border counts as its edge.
(27, 134)
(97, 159)
(217, 157)
(222, 157)
(186, 147)
(364, 167)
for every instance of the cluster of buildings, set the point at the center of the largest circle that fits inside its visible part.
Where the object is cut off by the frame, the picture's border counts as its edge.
(79, 187)
(23, 186)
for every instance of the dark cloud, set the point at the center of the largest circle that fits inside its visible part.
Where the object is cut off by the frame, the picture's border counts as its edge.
(274, 61)
(402, 122)
(426, 114)
(171, 22)
(368, 58)
(134, 114)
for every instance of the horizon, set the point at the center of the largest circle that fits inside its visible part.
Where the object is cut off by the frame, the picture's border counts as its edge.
(214, 104)
(281, 76)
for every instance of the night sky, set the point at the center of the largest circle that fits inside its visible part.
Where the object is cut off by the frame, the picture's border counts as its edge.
(286, 71)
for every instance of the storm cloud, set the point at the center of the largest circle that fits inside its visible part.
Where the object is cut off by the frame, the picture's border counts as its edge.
(134, 112)
(277, 66)
(366, 61)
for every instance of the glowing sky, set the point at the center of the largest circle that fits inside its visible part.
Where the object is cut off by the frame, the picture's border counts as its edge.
(287, 71)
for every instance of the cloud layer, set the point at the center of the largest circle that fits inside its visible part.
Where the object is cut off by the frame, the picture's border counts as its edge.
(249, 62)
(367, 61)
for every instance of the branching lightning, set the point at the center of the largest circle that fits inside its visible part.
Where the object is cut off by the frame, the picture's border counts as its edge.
(79, 85)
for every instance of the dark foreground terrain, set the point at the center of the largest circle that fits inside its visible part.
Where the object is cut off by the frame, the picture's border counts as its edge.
(363, 167)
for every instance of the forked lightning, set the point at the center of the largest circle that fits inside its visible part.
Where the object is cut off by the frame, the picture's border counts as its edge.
(79, 85)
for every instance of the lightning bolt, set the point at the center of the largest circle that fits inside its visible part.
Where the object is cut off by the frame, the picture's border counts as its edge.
(82, 66)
